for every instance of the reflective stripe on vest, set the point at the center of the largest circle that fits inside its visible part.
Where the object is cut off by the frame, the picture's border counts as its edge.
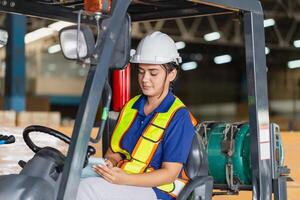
(144, 150)
(124, 122)
(174, 188)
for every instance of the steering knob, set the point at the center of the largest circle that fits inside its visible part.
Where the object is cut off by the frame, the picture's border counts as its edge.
(91, 151)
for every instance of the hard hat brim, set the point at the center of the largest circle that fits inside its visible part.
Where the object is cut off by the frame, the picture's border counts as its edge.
(156, 60)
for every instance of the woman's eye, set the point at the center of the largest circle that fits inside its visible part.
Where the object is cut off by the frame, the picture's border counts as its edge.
(154, 72)
(141, 72)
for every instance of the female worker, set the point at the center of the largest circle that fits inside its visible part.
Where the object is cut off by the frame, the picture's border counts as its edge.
(151, 141)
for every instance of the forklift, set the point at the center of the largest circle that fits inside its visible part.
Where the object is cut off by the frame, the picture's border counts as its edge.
(49, 175)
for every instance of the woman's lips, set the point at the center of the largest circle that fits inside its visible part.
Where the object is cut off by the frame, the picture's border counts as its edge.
(146, 87)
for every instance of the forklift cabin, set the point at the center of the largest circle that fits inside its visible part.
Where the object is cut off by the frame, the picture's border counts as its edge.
(251, 14)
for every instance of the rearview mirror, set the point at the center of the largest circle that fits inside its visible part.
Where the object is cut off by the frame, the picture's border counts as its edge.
(86, 47)
(68, 42)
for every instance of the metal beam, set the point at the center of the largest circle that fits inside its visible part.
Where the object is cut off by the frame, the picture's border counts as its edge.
(179, 13)
(258, 106)
(88, 107)
(15, 74)
(30, 8)
(279, 37)
(61, 12)
(235, 5)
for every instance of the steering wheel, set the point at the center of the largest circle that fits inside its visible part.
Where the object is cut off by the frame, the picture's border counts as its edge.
(36, 128)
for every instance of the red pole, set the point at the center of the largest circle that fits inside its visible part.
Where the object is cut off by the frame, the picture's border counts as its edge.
(120, 88)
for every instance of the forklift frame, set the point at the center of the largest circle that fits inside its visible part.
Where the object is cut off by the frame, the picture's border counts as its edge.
(252, 14)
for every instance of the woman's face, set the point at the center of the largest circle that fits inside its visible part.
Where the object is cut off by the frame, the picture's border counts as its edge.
(153, 79)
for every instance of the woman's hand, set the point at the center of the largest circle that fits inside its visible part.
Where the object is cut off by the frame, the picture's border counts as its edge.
(113, 158)
(111, 174)
(109, 163)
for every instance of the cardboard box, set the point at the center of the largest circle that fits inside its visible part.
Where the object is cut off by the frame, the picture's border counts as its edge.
(7, 118)
(35, 103)
(98, 146)
(52, 119)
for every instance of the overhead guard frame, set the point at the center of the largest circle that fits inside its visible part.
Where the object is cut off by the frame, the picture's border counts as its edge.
(252, 15)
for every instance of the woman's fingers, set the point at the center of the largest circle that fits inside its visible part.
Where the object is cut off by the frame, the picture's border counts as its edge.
(109, 163)
(104, 171)
(112, 175)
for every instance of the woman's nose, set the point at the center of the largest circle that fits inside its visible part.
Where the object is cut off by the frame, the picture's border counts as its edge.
(146, 77)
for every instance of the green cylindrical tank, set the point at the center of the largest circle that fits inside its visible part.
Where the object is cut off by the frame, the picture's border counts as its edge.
(240, 159)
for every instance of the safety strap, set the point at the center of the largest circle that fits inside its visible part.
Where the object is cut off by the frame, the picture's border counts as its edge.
(228, 147)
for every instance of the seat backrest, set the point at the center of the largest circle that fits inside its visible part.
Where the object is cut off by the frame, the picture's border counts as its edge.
(197, 164)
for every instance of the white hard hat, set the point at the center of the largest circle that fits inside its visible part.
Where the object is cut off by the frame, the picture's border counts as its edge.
(156, 48)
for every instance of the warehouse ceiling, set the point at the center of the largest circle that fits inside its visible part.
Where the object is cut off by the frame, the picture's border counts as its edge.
(210, 82)
(280, 37)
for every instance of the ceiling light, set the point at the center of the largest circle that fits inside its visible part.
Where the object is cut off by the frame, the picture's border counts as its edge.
(46, 31)
(189, 66)
(3, 37)
(212, 36)
(269, 22)
(294, 64)
(57, 26)
(38, 34)
(54, 49)
(267, 50)
(222, 59)
(180, 45)
(297, 43)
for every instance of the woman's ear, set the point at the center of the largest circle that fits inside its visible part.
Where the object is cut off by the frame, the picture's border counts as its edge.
(172, 75)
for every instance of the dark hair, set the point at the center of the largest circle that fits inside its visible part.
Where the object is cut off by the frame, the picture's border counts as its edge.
(170, 67)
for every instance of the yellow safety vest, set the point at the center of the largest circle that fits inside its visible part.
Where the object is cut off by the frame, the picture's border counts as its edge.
(139, 160)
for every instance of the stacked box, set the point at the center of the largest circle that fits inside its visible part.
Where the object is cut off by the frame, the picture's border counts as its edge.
(51, 119)
(7, 118)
